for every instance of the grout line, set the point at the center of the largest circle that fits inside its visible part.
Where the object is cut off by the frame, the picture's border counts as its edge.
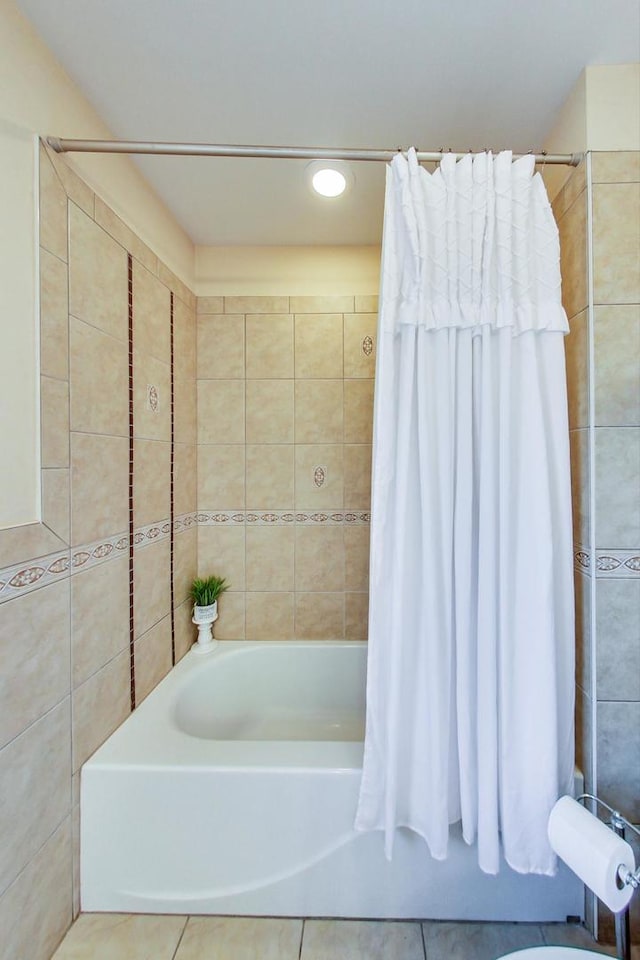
(175, 952)
(132, 664)
(424, 944)
(301, 938)
(172, 480)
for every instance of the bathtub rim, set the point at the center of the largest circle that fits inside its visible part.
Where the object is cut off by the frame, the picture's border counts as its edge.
(149, 738)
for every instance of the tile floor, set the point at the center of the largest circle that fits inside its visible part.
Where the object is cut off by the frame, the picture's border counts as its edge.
(138, 937)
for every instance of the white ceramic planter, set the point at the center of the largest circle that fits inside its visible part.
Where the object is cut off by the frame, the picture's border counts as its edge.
(205, 614)
(204, 617)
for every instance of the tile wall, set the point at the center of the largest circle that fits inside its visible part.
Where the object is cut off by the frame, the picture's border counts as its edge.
(285, 405)
(93, 606)
(605, 435)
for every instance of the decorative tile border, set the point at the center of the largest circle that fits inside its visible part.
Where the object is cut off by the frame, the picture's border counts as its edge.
(266, 518)
(610, 564)
(23, 578)
(151, 533)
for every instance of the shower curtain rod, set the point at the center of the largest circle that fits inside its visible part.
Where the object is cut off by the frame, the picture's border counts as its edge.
(62, 145)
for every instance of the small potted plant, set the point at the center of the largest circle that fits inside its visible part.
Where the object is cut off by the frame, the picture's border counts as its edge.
(204, 593)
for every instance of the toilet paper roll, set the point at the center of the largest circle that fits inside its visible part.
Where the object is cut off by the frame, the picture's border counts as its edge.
(592, 850)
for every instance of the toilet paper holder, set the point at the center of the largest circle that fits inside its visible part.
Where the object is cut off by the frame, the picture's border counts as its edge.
(626, 878)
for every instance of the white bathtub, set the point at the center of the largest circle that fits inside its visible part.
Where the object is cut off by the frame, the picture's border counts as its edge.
(232, 790)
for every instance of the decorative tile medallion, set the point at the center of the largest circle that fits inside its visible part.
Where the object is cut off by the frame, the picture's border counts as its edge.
(319, 476)
(153, 398)
(367, 346)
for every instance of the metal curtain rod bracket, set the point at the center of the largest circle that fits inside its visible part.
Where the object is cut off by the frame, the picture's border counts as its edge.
(62, 145)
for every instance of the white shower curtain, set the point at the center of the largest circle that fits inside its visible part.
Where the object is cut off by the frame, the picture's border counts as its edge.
(470, 672)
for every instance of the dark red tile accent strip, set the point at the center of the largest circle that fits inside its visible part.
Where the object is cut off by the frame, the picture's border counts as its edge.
(171, 491)
(132, 658)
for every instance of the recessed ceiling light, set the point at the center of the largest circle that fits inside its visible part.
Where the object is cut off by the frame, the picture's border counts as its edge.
(329, 178)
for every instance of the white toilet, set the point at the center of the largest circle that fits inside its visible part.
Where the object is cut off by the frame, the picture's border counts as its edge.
(551, 953)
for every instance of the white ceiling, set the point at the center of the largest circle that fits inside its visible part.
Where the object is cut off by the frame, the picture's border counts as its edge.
(351, 73)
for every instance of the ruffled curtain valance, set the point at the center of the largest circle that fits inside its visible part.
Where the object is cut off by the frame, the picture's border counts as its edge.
(478, 246)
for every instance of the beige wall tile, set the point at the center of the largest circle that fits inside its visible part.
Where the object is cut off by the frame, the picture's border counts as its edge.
(577, 365)
(256, 304)
(319, 616)
(321, 304)
(356, 557)
(269, 411)
(319, 489)
(100, 705)
(36, 909)
(76, 189)
(319, 411)
(56, 505)
(75, 854)
(584, 715)
(150, 423)
(356, 616)
(184, 340)
(220, 347)
(220, 411)
(99, 486)
(231, 617)
(579, 451)
(616, 243)
(318, 345)
(36, 774)
(617, 630)
(98, 277)
(269, 346)
(34, 656)
(358, 411)
(22, 544)
(221, 471)
(174, 283)
(319, 559)
(99, 616)
(151, 314)
(270, 616)
(210, 304)
(619, 756)
(151, 585)
(54, 317)
(151, 481)
(117, 229)
(270, 476)
(269, 558)
(617, 501)
(366, 304)
(122, 937)
(184, 411)
(152, 658)
(617, 365)
(359, 352)
(185, 632)
(582, 607)
(572, 188)
(53, 210)
(619, 167)
(54, 422)
(221, 553)
(573, 255)
(99, 381)
(240, 937)
(185, 478)
(185, 563)
(357, 476)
